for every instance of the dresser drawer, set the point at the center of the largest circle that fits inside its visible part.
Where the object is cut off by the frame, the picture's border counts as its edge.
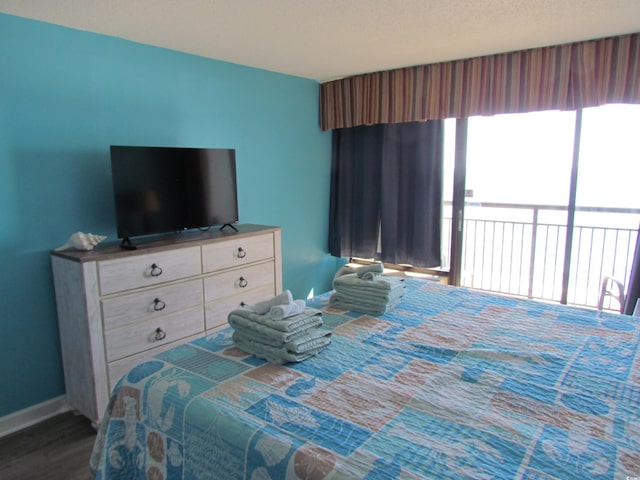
(148, 269)
(238, 281)
(241, 251)
(137, 307)
(216, 312)
(141, 336)
(120, 367)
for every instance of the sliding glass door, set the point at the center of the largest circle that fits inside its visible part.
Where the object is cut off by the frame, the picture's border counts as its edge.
(607, 201)
(544, 204)
(516, 193)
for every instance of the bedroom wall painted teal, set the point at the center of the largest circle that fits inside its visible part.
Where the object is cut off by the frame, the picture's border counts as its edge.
(65, 96)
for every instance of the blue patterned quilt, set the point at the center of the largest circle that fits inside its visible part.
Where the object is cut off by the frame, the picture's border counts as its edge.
(452, 383)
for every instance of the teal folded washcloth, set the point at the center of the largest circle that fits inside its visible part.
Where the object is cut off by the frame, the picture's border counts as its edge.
(365, 272)
(285, 298)
(308, 318)
(373, 305)
(372, 308)
(275, 355)
(313, 339)
(344, 270)
(272, 336)
(372, 294)
(269, 336)
(280, 312)
(382, 282)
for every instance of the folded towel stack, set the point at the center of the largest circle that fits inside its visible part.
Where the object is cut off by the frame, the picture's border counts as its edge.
(366, 290)
(280, 330)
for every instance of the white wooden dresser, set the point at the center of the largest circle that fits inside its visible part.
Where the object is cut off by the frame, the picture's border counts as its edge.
(116, 308)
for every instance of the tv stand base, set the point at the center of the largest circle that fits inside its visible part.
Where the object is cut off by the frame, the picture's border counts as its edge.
(127, 245)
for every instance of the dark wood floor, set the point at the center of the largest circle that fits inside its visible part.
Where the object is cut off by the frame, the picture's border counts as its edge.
(56, 449)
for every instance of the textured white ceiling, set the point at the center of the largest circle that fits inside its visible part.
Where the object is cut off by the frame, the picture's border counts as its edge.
(328, 39)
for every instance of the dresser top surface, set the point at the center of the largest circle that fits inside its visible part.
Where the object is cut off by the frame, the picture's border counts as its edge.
(111, 250)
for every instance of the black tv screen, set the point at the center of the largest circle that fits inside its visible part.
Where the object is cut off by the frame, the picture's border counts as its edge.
(168, 189)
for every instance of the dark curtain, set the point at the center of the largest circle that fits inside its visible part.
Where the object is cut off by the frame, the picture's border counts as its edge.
(355, 191)
(386, 188)
(633, 288)
(411, 209)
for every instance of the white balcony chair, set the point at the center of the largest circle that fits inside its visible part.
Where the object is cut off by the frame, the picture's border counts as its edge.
(612, 288)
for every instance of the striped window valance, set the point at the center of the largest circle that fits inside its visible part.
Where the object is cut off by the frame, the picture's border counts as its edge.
(563, 77)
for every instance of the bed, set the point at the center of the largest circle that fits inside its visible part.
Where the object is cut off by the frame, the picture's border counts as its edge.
(452, 383)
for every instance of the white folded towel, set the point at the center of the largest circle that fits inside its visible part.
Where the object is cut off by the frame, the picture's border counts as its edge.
(280, 312)
(262, 308)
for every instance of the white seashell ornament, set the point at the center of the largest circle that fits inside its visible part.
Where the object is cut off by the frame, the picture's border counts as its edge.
(82, 241)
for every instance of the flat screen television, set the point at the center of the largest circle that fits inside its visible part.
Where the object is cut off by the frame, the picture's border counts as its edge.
(169, 189)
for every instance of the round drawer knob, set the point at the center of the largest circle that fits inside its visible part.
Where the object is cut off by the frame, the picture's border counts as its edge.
(241, 253)
(243, 282)
(158, 305)
(156, 271)
(160, 334)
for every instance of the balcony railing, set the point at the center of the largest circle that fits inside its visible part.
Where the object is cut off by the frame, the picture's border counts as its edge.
(519, 250)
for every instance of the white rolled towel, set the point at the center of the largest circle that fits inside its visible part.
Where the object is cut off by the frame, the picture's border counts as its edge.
(370, 272)
(368, 275)
(280, 312)
(262, 308)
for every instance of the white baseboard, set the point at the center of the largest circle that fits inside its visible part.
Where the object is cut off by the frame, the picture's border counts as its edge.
(30, 416)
